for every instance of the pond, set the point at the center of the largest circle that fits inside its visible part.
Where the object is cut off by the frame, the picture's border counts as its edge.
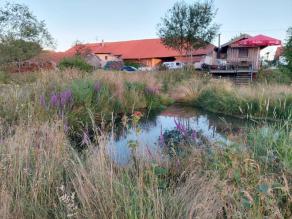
(148, 133)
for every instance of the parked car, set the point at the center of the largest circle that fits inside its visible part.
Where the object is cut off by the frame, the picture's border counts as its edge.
(144, 68)
(129, 69)
(204, 63)
(113, 65)
(173, 65)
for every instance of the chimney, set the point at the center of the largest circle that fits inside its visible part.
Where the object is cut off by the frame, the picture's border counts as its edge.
(102, 43)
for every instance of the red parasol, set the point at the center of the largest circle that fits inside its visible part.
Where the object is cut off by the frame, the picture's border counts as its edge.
(260, 40)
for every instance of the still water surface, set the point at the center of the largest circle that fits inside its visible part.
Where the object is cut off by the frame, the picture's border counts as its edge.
(213, 127)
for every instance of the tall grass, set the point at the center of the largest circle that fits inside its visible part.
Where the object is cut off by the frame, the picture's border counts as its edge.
(258, 101)
(42, 176)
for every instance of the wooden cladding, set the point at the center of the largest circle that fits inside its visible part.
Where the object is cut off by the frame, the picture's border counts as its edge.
(244, 55)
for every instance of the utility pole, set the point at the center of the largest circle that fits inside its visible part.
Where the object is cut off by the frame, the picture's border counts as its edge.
(219, 46)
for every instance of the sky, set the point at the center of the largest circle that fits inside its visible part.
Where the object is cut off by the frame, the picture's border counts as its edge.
(115, 20)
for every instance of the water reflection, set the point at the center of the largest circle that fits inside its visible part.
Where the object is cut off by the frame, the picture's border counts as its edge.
(146, 136)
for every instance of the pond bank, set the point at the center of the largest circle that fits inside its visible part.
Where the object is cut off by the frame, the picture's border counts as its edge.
(255, 102)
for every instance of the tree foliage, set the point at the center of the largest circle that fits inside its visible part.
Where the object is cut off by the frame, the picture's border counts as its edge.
(81, 49)
(22, 35)
(18, 50)
(75, 62)
(288, 49)
(188, 26)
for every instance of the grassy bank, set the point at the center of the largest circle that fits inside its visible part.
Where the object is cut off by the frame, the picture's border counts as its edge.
(105, 92)
(72, 94)
(257, 101)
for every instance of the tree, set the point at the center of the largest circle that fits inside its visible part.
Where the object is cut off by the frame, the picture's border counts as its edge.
(81, 49)
(22, 35)
(288, 49)
(187, 27)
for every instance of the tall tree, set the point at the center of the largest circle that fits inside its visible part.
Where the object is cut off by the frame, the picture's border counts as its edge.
(187, 27)
(288, 49)
(22, 35)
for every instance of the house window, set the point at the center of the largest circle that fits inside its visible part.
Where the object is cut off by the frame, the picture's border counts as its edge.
(105, 57)
(243, 53)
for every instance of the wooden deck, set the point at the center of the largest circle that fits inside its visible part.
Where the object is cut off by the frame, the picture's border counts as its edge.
(239, 76)
(218, 71)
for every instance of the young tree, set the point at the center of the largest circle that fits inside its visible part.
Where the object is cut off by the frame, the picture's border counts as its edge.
(288, 49)
(187, 27)
(81, 49)
(22, 35)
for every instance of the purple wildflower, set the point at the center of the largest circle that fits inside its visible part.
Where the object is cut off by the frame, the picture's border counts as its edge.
(97, 86)
(43, 101)
(65, 97)
(194, 135)
(180, 127)
(55, 100)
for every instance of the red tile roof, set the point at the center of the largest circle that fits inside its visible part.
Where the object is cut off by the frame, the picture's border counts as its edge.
(134, 49)
(138, 49)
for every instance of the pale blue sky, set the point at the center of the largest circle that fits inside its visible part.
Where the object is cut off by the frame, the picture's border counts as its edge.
(114, 20)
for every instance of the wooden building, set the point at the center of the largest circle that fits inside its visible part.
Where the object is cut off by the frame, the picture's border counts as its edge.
(242, 56)
(238, 56)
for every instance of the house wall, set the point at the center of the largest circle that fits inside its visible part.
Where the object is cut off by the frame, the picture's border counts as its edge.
(93, 60)
(151, 62)
(107, 57)
(253, 56)
(197, 58)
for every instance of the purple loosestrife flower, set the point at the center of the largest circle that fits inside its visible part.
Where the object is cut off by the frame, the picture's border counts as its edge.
(194, 135)
(55, 100)
(180, 127)
(65, 97)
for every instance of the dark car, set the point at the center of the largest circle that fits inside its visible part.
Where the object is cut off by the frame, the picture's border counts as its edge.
(129, 68)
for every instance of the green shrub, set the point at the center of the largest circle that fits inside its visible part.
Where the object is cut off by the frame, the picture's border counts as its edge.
(133, 64)
(218, 101)
(134, 97)
(274, 76)
(4, 77)
(271, 146)
(75, 62)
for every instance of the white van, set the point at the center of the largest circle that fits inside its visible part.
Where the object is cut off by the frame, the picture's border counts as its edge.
(173, 65)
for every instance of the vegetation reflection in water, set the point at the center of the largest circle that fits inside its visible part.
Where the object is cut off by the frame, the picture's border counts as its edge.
(151, 136)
